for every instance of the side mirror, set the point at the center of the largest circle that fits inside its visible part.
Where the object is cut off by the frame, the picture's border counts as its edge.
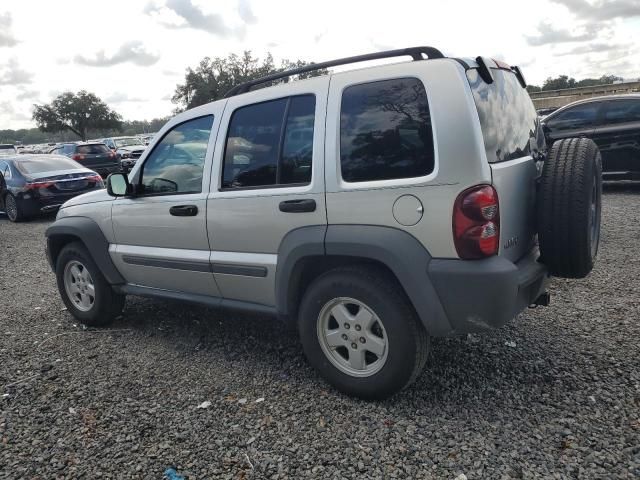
(118, 185)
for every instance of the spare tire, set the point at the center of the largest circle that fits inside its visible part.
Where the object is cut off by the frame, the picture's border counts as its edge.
(569, 206)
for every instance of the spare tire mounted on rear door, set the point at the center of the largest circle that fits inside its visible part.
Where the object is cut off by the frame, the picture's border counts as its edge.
(569, 206)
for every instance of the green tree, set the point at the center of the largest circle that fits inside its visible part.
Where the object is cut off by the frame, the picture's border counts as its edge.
(211, 79)
(76, 113)
(558, 83)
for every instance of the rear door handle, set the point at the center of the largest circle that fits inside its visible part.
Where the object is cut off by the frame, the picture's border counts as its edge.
(184, 211)
(298, 206)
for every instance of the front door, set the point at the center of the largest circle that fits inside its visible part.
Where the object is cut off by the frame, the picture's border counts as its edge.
(268, 179)
(161, 232)
(619, 137)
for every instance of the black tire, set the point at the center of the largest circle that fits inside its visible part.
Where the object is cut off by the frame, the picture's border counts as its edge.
(569, 207)
(407, 340)
(12, 209)
(107, 304)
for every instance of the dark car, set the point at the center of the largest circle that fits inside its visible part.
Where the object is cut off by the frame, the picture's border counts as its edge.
(96, 156)
(33, 184)
(612, 122)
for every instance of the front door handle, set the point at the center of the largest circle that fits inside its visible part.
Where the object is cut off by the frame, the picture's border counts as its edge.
(298, 206)
(184, 211)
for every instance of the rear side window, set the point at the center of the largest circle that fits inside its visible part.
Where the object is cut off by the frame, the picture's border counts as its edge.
(270, 144)
(92, 149)
(507, 116)
(580, 116)
(622, 111)
(385, 131)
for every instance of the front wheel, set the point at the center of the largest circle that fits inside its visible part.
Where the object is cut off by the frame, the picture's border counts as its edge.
(84, 290)
(359, 330)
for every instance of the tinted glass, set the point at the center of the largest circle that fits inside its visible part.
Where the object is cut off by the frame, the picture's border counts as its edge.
(297, 148)
(385, 131)
(46, 164)
(4, 170)
(507, 116)
(579, 116)
(251, 153)
(68, 149)
(92, 149)
(621, 111)
(176, 163)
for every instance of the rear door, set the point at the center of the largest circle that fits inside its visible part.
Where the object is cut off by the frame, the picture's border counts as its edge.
(95, 155)
(161, 234)
(268, 180)
(513, 140)
(618, 136)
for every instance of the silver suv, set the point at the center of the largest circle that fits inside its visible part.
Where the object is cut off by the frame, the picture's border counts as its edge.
(372, 208)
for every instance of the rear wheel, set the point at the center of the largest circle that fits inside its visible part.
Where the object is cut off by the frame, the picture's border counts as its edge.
(569, 207)
(12, 209)
(84, 290)
(359, 330)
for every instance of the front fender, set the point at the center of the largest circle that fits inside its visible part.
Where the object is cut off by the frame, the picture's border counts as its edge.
(85, 230)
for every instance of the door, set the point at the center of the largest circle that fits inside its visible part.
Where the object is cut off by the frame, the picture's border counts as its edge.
(268, 179)
(161, 234)
(577, 121)
(618, 136)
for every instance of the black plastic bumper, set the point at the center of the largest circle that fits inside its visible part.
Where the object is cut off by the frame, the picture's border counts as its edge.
(485, 294)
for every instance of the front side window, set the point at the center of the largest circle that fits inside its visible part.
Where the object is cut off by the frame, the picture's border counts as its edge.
(385, 131)
(580, 116)
(176, 163)
(270, 144)
(5, 171)
(622, 111)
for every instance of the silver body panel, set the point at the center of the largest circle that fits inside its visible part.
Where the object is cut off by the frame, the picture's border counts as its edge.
(230, 248)
(249, 222)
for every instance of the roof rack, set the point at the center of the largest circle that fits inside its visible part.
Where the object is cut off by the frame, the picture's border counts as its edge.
(414, 52)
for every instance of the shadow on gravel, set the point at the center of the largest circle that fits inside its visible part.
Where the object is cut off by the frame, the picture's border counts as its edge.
(467, 372)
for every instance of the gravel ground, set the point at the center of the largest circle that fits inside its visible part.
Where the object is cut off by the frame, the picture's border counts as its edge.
(555, 394)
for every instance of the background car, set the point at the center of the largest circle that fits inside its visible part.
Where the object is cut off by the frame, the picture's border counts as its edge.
(128, 150)
(612, 122)
(95, 156)
(33, 184)
(7, 149)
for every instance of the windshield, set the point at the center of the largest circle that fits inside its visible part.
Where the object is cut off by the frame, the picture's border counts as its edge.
(96, 148)
(39, 165)
(125, 142)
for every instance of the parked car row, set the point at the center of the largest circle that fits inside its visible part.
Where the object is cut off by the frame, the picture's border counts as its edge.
(34, 184)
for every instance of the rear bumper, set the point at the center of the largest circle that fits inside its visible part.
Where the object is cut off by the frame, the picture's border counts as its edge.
(481, 295)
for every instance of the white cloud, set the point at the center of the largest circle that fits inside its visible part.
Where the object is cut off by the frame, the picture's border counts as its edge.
(146, 54)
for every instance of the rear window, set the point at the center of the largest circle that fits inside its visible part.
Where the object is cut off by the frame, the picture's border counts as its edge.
(7, 147)
(507, 116)
(385, 131)
(39, 165)
(92, 149)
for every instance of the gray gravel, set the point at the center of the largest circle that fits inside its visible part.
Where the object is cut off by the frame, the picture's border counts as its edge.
(556, 394)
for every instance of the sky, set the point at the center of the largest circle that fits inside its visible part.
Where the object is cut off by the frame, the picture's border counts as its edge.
(133, 53)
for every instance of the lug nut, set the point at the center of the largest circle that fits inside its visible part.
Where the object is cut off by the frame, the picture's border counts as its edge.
(354, 345)
(358, 327)
(362, 340)
(347, 326)
(344, 336)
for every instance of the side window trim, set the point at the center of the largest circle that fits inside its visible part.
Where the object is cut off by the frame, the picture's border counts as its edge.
(137, 179)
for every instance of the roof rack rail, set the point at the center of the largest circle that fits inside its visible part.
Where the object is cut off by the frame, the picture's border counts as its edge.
(414, 52)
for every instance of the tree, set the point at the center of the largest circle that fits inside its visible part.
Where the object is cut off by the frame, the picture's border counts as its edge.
(211, 79)
(76, 113)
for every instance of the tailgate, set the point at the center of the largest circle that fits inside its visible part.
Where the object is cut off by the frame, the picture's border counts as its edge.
(515, 182)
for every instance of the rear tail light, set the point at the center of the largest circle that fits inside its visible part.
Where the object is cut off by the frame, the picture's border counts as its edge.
(36, 185)
(476, 223)
(77, 157)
